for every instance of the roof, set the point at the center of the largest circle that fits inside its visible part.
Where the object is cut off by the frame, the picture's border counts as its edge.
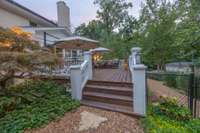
(29, 11)
(74, 38)
(47, 29)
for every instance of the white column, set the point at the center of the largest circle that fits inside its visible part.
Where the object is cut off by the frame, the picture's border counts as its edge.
(88, 57)
(75, 77)
(139, 89)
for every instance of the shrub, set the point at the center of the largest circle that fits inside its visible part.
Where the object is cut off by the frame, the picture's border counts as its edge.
(170, 108)
(41, 102)
(168, 117)
(7, 105)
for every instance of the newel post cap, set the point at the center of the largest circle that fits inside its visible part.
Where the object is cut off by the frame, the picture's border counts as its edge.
(136, 49)
(139, 67)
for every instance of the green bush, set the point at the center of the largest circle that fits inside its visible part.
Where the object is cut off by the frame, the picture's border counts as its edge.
(170, 108)
(41, 102)
(7, 105)
(168, 117)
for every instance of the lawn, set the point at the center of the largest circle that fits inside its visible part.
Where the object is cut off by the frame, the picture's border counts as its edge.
(33, 105)
(168, 117)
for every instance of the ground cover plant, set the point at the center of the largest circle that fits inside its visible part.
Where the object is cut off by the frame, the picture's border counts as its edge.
(34, 105)
(168, 117)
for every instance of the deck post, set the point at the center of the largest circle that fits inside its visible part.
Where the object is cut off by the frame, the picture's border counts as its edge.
(138, 72)
(139, 92)
(88, 57)
(75, 77)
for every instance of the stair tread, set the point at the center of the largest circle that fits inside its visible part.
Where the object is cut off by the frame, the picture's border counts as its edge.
(116, 108)
(117, 88)
(112, 96)
(111, 82)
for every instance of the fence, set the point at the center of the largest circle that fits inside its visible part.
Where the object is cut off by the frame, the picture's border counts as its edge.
(183, 87)
(196, 92)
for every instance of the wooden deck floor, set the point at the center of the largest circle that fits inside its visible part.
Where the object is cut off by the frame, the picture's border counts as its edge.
(115, 75)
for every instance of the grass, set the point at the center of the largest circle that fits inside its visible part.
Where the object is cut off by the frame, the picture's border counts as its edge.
(38, 104)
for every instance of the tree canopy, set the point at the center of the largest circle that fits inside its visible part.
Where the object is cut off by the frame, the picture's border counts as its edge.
(167, 31)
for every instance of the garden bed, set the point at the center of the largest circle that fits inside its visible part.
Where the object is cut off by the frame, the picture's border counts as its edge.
(34, 105)
(167, 117)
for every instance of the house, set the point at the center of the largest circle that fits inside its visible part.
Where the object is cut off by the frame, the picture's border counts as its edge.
(45, 31)
(183, 67)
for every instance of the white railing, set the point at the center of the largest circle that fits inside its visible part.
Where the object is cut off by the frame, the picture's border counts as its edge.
(138, 72)
(79, 75)
(84, 73)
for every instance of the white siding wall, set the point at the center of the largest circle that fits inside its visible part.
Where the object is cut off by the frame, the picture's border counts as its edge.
(8, 19)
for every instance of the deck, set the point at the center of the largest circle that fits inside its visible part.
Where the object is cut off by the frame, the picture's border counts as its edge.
(113, 75)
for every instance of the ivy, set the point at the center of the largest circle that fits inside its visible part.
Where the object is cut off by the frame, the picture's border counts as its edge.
(53, 103)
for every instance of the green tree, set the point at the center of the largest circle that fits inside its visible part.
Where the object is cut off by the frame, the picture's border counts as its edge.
(93, 30)
(112, 13)
(188, 29)
(157, 32)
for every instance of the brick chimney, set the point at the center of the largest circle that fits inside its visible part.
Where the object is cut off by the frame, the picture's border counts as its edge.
(63, 13)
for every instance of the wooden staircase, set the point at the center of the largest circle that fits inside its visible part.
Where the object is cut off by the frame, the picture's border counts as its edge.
(113, 96)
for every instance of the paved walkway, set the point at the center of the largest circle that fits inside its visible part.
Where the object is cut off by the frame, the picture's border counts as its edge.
(158, 89)
(106, 122)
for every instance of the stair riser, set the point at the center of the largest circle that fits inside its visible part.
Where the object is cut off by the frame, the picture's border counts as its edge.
(108, 100)
(111, 84)
(107, 91)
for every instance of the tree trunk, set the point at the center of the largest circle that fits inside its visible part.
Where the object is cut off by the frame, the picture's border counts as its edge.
(158, 67)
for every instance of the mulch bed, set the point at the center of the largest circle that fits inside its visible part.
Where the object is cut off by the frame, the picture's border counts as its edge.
(117, 123)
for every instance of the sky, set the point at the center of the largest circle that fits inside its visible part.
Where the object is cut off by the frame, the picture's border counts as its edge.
(81, 11)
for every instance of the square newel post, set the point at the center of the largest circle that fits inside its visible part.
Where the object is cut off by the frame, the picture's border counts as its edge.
(88, 57)
(139, 93)
(136, 59)
(75, 77)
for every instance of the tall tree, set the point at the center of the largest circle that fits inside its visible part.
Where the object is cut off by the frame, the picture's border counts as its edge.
(112, 13)
(188, 29)
(157, 24)
(92, 30)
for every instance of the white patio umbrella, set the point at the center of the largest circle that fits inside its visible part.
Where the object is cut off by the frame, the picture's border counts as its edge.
(100, 50)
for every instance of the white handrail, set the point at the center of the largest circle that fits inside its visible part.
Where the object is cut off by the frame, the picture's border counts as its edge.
(84, 73)
(79, 76)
